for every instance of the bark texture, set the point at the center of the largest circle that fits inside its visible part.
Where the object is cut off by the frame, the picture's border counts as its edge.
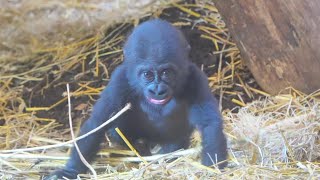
(279, 40)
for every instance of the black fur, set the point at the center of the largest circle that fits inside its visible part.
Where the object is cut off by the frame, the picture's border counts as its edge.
(169, 96)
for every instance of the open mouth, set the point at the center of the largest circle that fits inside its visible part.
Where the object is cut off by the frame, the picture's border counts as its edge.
(160, 101)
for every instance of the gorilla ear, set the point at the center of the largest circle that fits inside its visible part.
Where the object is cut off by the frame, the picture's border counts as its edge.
(188, 48)
(126, 49)
(184, 42)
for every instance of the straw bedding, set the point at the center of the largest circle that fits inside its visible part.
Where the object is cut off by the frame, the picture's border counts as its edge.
(269, 137)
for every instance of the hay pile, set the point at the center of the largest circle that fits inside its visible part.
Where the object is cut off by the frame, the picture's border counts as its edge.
(29, 27)
(271, 137)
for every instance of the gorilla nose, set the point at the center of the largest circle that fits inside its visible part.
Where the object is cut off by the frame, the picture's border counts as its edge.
(159, 92)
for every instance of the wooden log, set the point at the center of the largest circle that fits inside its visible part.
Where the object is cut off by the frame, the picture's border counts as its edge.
(279, 40)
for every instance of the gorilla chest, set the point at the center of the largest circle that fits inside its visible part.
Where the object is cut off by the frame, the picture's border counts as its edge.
(164, 123)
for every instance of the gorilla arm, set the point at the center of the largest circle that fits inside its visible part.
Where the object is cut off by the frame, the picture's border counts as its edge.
(205, 116)
(111, 100)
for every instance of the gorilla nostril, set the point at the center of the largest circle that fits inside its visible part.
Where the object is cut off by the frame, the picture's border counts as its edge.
(151, 91)
(163, 92)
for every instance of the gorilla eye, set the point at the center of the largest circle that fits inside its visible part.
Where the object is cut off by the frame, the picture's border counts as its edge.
(166, 72)
(148, 75)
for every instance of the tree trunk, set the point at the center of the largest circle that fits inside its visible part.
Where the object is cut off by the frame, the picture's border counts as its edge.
(279, 40)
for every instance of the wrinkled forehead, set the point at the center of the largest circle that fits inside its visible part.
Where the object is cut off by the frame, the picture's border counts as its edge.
(155, 51)
(156, 67)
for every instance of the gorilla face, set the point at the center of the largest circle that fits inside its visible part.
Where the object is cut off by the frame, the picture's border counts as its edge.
(157, 82)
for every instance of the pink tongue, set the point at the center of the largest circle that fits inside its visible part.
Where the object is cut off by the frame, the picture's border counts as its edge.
(155, 101)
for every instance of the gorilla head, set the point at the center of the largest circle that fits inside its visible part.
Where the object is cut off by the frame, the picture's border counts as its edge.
(157, 53)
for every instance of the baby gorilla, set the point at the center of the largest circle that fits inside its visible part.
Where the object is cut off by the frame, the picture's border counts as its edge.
(169, 96)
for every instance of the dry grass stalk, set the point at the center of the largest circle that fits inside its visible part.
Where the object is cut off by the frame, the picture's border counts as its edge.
(272, 138)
